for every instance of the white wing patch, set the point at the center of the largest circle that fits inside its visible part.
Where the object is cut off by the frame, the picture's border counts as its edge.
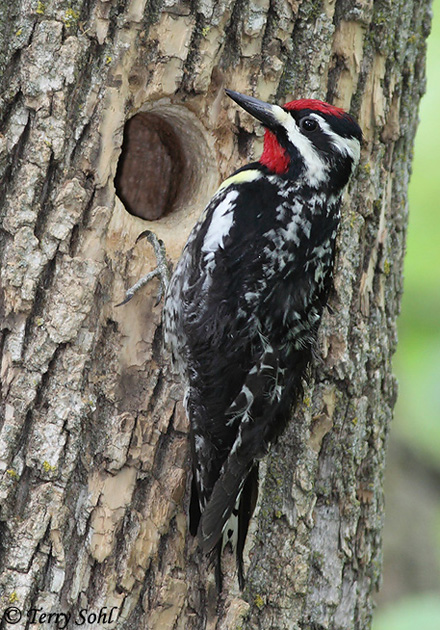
(221, 223)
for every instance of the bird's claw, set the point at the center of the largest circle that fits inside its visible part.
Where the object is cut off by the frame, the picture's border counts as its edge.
(162, 271)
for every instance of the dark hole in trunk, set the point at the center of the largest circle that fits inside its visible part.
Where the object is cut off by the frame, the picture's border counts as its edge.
(151, 167)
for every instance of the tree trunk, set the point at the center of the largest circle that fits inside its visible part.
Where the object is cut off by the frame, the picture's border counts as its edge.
(94, 455)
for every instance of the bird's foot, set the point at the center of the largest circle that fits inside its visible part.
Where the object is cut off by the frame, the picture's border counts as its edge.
(162, 271)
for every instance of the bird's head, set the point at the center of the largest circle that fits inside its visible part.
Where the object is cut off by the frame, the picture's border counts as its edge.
(307, 137)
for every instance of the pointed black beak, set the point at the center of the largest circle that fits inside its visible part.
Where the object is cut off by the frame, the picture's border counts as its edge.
(270, 116)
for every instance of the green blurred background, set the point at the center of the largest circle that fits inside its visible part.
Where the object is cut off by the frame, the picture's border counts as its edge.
(410, 594)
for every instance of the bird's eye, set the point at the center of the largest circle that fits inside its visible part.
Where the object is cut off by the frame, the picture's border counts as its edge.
(308, 124)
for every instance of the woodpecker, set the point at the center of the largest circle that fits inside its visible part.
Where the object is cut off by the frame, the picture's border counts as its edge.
(244, 304)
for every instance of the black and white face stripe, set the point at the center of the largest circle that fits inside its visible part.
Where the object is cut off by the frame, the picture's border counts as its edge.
(329, 141)
(291, 137)
(345, 145)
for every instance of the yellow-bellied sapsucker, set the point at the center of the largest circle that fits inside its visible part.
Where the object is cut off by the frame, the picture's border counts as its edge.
(244, 304)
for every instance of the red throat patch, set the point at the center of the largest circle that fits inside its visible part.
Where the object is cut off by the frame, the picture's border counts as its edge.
(274, 156)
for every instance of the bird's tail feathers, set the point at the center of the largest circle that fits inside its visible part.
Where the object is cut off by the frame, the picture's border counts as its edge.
(220, 524)
(222, 501)
(248, 501)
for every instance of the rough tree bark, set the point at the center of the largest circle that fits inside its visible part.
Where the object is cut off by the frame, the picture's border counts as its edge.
(93, 440)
